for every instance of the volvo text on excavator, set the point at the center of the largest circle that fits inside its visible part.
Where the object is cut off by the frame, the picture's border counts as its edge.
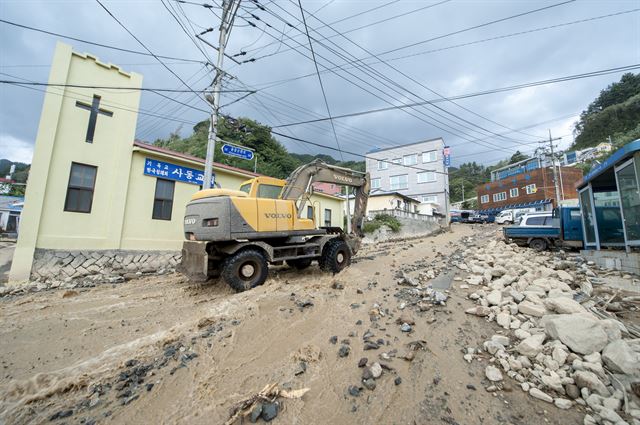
(237, 233)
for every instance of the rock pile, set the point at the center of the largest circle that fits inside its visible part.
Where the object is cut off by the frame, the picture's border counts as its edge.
(553, 341)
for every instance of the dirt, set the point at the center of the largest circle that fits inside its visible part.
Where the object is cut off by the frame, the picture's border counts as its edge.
(162, 350)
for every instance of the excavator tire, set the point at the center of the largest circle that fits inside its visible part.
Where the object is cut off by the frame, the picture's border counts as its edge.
(336, 256)
(300, 263)
(245, 269)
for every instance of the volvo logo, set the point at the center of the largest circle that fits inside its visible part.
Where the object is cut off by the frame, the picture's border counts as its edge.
(189, 221)
(276, 215)
(343, 178)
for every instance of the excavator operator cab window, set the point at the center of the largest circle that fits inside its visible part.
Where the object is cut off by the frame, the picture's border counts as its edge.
(246, 188)
(269, 191)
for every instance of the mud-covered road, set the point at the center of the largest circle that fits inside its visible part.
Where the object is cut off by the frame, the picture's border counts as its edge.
(161, 350)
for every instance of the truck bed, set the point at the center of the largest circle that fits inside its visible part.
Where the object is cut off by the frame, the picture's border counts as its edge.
(526, 232)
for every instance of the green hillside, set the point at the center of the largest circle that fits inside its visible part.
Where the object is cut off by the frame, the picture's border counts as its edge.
(273, 158)
(614, 113)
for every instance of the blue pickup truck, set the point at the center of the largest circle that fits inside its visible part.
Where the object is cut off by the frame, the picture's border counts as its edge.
(565, 231)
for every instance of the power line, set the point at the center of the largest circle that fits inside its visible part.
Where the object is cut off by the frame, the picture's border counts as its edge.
(106, 104)
(481, 93)
(146, 48)
(315, 63)
(422, 42)
(419, 9)
(375, 87)
(130, 89)
(93, 43)
(421, 85)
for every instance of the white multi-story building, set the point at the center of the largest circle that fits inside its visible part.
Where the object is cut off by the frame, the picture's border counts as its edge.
(416, 170)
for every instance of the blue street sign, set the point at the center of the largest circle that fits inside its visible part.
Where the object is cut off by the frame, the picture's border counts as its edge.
(237, 151)
(166, 170)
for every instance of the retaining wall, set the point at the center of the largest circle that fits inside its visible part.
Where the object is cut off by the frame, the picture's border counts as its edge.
(410, 229)
(65, 265)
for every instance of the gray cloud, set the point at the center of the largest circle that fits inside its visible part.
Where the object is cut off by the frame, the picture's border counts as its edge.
(562, 51)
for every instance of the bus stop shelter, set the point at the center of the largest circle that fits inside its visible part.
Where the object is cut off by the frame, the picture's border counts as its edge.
(610, 203)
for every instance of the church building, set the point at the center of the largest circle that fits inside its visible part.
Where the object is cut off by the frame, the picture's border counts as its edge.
(99, 201)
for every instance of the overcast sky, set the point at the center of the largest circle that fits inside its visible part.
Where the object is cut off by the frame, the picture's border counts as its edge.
(566, 50)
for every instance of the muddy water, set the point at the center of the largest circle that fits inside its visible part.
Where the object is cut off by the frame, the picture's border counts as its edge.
(68, 354)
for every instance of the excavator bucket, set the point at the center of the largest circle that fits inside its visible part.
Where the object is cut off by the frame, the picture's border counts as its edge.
(195, 261)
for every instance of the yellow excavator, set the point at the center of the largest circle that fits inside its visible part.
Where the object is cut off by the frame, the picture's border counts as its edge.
(236, 234)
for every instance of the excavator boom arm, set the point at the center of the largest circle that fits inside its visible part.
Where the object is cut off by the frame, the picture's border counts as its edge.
(300, 181)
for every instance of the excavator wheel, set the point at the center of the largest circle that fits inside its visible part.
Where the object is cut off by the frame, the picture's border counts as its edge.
(336, 256)
(245, 269)
(300, 263)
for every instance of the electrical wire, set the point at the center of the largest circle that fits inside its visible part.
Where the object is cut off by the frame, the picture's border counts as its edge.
(93, 43)
(421, 85)
(315, 63)
(130, 89)
(483, 93)
(146, 48)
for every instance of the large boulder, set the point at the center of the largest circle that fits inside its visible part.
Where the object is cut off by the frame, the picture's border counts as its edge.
(619, 357)
(582, 333)
(563, 305)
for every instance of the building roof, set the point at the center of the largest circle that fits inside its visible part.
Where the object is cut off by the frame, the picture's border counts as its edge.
(404, 146)
(625, 152)
(398, 194)
(191, 158)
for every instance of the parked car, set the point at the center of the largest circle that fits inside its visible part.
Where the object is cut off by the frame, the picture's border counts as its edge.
(544, 218)
(512, 216)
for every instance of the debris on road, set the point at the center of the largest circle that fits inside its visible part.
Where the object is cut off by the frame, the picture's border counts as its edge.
(570, 347)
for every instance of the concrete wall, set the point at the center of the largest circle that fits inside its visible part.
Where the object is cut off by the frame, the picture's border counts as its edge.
(615, 260)
(410, 229)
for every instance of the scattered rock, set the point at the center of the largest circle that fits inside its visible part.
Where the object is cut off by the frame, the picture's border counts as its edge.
(269, 411)
(369, 384)
(493, 374)
(362, 362)
(397, 381)
(562, 403)
(344, 350)
(405, 327)
(376, 370)
(536, 393)
(531, 346)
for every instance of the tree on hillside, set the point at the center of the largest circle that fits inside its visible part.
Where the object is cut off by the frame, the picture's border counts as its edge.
(273, 158)
(517, 157)
(616, 111)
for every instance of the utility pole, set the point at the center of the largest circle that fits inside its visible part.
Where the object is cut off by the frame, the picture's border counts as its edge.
(229, 8)
(555, 171)
(462, 191)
